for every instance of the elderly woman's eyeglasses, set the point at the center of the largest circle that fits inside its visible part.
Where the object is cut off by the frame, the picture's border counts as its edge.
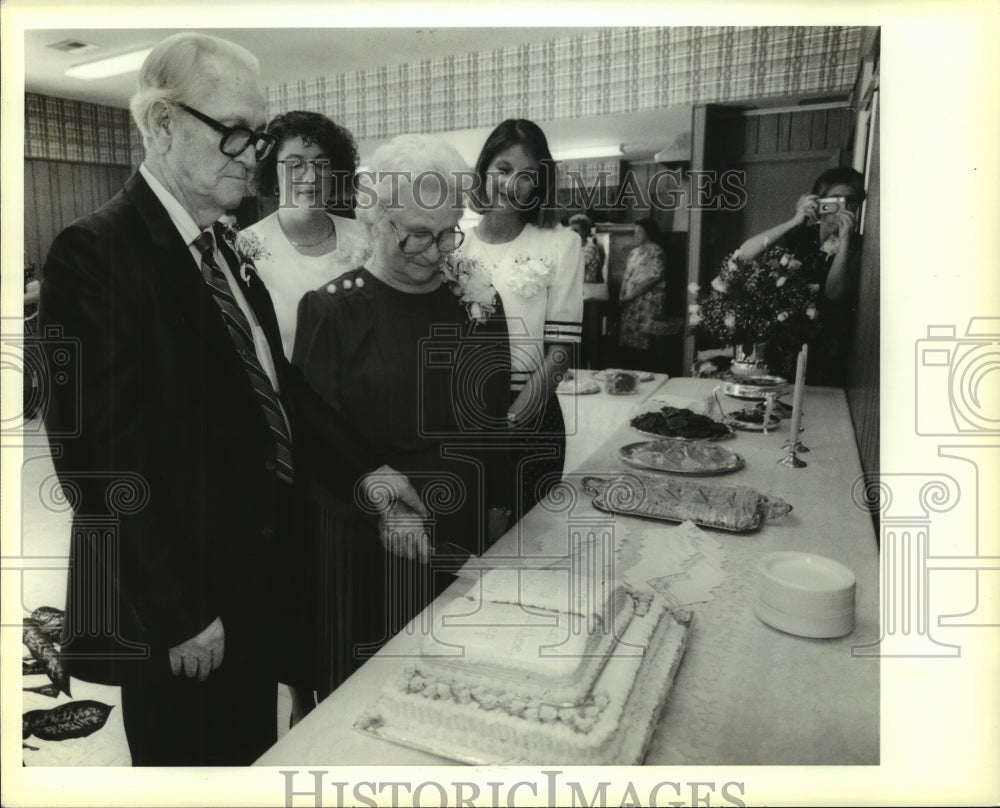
(236, 139)
(415, 243)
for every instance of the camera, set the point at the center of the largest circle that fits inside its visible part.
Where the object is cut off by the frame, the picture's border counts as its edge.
(830, 204)
(42, 362)
(958, 379)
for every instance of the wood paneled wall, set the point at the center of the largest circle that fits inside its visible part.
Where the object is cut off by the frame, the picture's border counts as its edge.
(863, 372)
(56, 193)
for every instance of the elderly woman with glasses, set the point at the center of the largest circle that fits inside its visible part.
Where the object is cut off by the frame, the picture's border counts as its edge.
(302, 244)
(413, 350)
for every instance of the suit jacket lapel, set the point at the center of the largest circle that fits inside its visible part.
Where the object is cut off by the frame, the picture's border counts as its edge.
(256, 294)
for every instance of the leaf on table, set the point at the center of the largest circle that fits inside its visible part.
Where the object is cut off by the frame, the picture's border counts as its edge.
(77, 719)
(43, 649)
(45, 690)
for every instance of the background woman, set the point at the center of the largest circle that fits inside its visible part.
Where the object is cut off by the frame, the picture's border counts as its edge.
(642, 299)
(301, 245)
(538, 272)
(822, 235)
(371, 343)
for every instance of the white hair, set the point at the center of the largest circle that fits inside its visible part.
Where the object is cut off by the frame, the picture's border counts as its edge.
(182, 69)
(426, 161)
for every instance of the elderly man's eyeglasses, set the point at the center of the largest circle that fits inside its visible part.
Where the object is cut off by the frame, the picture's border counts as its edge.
(415, 243)
(236, 139)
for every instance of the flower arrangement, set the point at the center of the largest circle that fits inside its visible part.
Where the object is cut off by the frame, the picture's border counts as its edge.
(764, 300)
(531, 275)
(472, 283)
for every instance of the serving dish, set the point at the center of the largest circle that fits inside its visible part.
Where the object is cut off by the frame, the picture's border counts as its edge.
(754, 387)
(679, 423)
(681, 457)
(737, 509)
(751, 419)
(577, 387)
(602, 375)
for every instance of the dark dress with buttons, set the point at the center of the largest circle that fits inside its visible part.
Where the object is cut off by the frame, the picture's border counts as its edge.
(429, 391)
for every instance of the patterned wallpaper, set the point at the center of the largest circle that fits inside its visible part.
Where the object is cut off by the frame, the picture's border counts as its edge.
(77, 132)
(604, 72)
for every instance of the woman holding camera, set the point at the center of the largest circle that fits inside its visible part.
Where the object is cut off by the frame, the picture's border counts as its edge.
(822, 236)
(416, 356)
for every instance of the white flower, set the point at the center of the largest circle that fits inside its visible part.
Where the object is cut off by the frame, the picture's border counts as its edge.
(731, 264)
(719, 285)
(785, 259)
(794, 263)
(694, 288)
(249, 245)
(781, 281)
(729, 321)
(811, 312)
(813, 287)
(471, 282)
(783, 316)
(531, 275)
(694, 318)
(694, 308)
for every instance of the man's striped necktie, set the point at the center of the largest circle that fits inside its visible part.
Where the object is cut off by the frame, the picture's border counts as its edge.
(242, 335)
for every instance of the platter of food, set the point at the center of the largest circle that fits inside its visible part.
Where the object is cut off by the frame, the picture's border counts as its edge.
(577, 387)
(681, 457)
(603, 375)
(738, 509)
(751, 419)
(754, 387)
(680, 423)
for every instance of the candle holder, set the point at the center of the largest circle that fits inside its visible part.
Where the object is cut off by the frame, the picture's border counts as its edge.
(792, 459)
(769, 399)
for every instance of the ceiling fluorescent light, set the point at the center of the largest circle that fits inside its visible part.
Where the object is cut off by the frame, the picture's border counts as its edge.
(589, 152)
(112, 66)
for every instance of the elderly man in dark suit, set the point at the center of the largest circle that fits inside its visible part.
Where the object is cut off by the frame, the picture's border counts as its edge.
(192, 430)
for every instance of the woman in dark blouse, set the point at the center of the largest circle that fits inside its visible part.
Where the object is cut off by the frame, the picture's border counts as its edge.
(413, 350)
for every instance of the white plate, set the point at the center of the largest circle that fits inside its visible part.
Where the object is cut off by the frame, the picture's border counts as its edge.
(807, 625)
(806, 572)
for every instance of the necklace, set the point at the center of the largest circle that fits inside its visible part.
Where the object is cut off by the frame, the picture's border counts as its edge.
(329, 233)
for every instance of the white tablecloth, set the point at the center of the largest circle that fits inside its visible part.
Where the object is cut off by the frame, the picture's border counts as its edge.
(745, 693)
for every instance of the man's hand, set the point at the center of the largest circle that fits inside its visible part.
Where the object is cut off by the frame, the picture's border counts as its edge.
(386, 486)
(200, 655)
(403, 533)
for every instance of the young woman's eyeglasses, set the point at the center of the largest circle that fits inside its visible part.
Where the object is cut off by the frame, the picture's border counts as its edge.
(296, 166)
(236, 139)
(415, 243)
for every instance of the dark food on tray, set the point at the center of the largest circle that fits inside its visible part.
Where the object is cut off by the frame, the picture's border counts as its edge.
(674, 422)
(622, 382)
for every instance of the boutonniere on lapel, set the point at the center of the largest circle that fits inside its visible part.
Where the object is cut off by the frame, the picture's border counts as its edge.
(248, 248)
(471, 282)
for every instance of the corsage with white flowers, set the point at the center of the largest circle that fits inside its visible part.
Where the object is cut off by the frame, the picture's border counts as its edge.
(471, 282)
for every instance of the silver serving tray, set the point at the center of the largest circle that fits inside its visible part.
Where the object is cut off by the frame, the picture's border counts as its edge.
(752, 426)
(669, 455)
(768, 507)
(755, 387)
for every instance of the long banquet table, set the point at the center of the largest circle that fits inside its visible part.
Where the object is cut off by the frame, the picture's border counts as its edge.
(745, 693)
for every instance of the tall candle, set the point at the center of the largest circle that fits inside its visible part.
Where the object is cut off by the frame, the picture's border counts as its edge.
(800, 384)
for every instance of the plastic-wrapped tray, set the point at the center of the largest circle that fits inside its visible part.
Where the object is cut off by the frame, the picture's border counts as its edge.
(681, 457)
(738, 509)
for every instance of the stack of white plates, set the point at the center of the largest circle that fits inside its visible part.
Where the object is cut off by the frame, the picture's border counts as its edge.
(805, 594)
